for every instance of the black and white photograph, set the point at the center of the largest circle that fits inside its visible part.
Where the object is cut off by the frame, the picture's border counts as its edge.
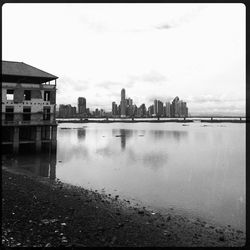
(123, 125)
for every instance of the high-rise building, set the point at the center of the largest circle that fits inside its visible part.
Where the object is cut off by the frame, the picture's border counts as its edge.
(178, 108)
(67, 111)
(123, 103)
(158, 108)
(151, 110)
(175, 107)
(142, 110)
(168, 114)
(155, 108)
(81, 105)
(114, 109)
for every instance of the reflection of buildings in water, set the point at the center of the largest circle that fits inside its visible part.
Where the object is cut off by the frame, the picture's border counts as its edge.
(66, 152)
(81, 134)
(106, 151)
(40, 164)
(155, 160)
(177, 135)
(124, 134)
(123, 138)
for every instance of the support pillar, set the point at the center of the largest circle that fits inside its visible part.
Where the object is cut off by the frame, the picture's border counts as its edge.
(52, 173)
(38, 139)
(37, 164)
(16, 140)
(53, 138)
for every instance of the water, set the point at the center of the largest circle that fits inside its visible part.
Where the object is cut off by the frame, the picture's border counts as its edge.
(198, 168)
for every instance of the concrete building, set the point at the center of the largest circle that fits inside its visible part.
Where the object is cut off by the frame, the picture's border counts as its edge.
(175, 107)
(67, 111)
(158, 108)
(28, 107)
(142, 111)
(82, 106)
(114, 109)
(123, 103)
(168, 113)
(151, 110)
(178, 108)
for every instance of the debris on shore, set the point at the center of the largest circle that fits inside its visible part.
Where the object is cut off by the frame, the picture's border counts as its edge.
(41, 212)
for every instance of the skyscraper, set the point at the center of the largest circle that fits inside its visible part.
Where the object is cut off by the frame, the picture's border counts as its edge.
(81, 105)
(123, 103)
(168, 114)
(114, 109)
(158, 108)
(175, 112)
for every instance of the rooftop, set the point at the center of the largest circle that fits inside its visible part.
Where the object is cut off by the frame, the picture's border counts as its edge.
(12, 71)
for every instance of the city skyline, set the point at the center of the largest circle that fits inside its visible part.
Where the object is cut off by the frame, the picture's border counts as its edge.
(189, 50)
(126, 108)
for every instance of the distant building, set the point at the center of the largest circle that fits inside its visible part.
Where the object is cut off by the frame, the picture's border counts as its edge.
(158, 108)
(151, 110)
(178, 108)
(168, 113)
(67, 111)
(175, 107)
(82, 106)
(123, 103)
(142, 111)
(129, 108)
(114, 109)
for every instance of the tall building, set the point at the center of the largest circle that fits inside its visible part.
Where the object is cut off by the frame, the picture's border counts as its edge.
(123, 103)
(142, 111)
(155, 108)
(158, 108)
(67, 111)
(178, 108)
(129, 108)
(28, 107)
(175, 107)
(81, 105)
(151, 110)
(114, 109)
(168, 113)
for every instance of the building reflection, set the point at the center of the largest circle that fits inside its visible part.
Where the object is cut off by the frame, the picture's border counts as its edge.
(81, 134)
(124, 134)
(155, 160)
(39, 164)
(160, 134)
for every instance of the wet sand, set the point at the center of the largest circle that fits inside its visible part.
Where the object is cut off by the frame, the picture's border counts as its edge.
(41, 212)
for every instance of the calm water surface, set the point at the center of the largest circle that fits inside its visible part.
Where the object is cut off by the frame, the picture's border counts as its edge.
(198, 168)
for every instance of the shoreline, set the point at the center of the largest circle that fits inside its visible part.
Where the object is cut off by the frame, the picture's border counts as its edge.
(154, 121)
(59, 214)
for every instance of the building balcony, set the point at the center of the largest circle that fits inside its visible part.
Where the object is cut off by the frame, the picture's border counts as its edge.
(27, 119)
(28, 123)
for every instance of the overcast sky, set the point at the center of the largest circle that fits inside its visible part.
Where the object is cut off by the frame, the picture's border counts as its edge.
(194, 51)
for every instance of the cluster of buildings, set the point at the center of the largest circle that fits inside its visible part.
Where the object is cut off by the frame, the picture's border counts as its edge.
(68, 111)
(126, 108)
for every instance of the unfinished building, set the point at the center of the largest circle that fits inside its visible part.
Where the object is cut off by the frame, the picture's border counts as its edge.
(28, 108)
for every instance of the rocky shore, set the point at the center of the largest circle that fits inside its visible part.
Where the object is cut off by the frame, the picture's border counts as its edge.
(45, 213)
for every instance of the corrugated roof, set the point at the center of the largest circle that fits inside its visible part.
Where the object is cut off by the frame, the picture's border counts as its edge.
(22, 69)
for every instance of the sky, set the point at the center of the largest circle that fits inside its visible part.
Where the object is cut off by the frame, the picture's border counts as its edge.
(155, 51)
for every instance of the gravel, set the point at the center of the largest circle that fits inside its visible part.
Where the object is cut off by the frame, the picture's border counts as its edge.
(39, 212)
